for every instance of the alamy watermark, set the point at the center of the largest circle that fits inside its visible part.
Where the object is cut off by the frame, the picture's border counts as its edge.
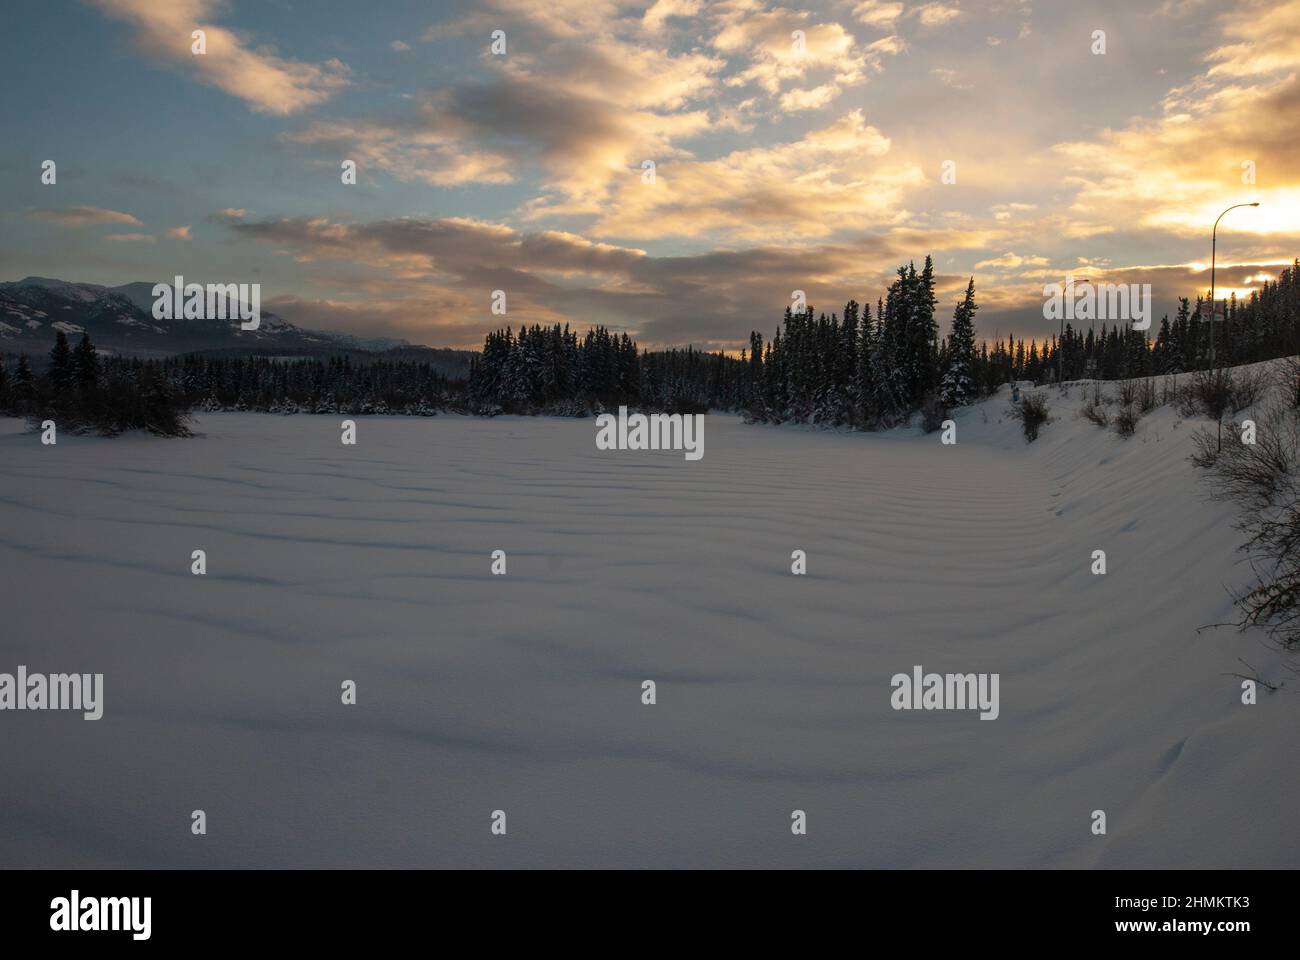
(55, 691)
(77, 913)
(216, 301)
(1130, 302)
(946, 691)
(658, 431)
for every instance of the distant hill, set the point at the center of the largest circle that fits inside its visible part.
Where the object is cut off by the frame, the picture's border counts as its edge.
(120, 320)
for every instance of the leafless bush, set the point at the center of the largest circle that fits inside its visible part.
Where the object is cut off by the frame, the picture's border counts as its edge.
(1126, 421)
(1138, 393)
(1257, 475)
(1261, 479)
(1246, 388)
(933, 413)
(1094, 413)
(1207, 394)
(1273, 603)
(1146, 395)
(1168, 389)
(1287, 372)
(1032, 412)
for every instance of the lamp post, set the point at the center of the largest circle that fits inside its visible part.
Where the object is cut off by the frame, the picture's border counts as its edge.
(1060, 340)
(1214, 249)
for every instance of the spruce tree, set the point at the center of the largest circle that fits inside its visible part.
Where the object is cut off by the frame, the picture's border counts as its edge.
(24, 388)
(85, 368)
(864, 383)
(755, 399)
(62, 374)
(923, 339)
(958, 386)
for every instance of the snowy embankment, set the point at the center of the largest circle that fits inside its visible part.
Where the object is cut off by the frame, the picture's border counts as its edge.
(522, 692)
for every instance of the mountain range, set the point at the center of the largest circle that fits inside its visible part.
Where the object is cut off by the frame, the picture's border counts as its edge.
(120, 320)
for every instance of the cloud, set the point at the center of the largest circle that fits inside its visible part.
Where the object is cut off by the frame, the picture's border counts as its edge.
(784, 47)
(427, 145)
(431, 279)
(833, 178)
(571, 19)
(131, 238)
(82, 216)
(1007, 211)
(657, 16)
(267, 82)
(793, 101)
(772, 164)
(1177, 171)
(1012, 261)
(877, 13)
(935, 14)
(399, 46)
(584, 95)
(948, 77)
(180, 233)
(585, 125)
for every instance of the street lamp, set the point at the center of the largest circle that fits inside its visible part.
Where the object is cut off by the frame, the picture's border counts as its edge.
(1214, 245)
(1060, 341)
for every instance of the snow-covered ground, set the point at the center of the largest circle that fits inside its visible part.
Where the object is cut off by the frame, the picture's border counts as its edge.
(522, 692)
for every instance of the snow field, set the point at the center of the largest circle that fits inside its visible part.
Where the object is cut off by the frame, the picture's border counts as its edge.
(522, 692)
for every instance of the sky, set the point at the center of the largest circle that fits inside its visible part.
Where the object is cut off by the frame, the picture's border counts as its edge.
(812, 146)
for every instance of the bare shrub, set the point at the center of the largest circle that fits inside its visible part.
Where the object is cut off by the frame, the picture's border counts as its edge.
(1168, 389)
(1126, 421)
(1094, 413)
(1246, 388)
(1252, 475)
(1273, 603)
(1207, 394)
(933, 413)
(1032, 412)
(1146, 395)
(1261, 479)
(1128, 390)
(1288, 380)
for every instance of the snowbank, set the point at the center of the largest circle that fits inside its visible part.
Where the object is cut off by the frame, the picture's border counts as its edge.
(523, 692)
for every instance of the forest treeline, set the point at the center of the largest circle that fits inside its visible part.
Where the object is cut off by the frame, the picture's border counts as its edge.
(82, 391)
(869, 366)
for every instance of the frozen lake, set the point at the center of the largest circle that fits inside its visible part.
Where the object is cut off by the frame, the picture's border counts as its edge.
(522, 692)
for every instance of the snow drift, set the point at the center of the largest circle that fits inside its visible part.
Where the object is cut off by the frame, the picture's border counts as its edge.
(522, 692)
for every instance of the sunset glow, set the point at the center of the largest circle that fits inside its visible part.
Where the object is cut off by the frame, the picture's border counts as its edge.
(991, 135)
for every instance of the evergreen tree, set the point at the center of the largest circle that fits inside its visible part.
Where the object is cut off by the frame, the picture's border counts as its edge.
(958, 386)
(864, 383)
(85, 367)
(24, 388)
(923, 335)
(756, 399)
(62, 373)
